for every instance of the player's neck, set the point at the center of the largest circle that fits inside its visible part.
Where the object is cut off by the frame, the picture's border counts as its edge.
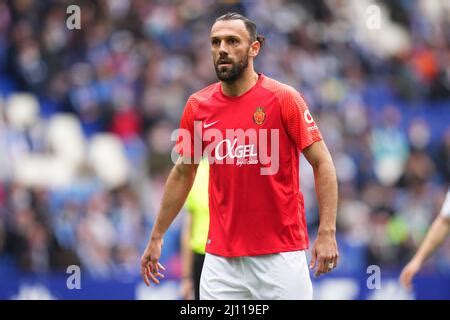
(241, 85)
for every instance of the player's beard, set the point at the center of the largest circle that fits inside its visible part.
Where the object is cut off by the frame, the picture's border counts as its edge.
(232, 73)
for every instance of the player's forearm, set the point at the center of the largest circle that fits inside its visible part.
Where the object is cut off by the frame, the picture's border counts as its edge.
(435, 236)
(187, 264)
(176, 191)
(327, 194)
(186, 252)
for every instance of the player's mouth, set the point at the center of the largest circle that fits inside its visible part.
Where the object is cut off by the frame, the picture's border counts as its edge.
(221, 63)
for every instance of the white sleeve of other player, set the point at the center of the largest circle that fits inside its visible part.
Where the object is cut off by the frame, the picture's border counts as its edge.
(445, 211)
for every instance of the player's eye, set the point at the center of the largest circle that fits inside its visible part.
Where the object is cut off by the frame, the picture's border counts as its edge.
(214, 42)
(232, 41)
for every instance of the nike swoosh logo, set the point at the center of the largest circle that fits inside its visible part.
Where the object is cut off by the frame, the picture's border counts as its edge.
(209, 124)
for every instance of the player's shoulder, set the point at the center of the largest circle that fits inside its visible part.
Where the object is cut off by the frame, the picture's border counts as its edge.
(205, 94)
(280, 89)
(194, 101)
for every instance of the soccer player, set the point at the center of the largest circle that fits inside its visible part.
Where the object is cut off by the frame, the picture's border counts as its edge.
(434, 238)
(257, 234)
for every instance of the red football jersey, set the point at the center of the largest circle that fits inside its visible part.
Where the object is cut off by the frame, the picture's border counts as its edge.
(253, 143)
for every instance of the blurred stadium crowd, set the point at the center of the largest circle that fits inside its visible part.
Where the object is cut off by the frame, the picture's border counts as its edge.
(86, 118)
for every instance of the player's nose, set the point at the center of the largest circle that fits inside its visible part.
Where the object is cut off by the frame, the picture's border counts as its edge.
(223, 55)
(223, 49)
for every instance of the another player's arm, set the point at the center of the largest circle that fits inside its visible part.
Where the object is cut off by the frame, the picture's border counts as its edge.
(187, 256)
(176, 190)
(325, 249)
(434, 238)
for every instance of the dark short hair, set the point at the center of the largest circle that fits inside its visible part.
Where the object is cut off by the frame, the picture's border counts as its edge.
(249, 25)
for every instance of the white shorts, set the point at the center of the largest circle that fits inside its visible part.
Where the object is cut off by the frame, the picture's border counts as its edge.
(281, 276)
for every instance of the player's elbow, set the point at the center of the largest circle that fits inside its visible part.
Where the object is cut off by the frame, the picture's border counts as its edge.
(324, 170)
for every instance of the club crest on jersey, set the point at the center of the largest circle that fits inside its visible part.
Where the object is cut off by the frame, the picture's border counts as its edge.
(259, 116)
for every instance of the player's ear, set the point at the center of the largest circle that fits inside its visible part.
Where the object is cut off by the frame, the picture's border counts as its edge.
(254, 48)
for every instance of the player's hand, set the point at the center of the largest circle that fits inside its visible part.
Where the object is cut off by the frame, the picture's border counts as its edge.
(408, 273)
(324, 254)
(187, 289)
(150, 266)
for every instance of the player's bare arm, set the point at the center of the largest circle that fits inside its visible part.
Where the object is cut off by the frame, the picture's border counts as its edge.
(176, 190)
(434, 238)
(324, 252)
(187, 256)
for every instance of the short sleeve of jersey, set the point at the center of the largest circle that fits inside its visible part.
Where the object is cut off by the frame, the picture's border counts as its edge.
(445, 211)
(297, 119)
(185, 141)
